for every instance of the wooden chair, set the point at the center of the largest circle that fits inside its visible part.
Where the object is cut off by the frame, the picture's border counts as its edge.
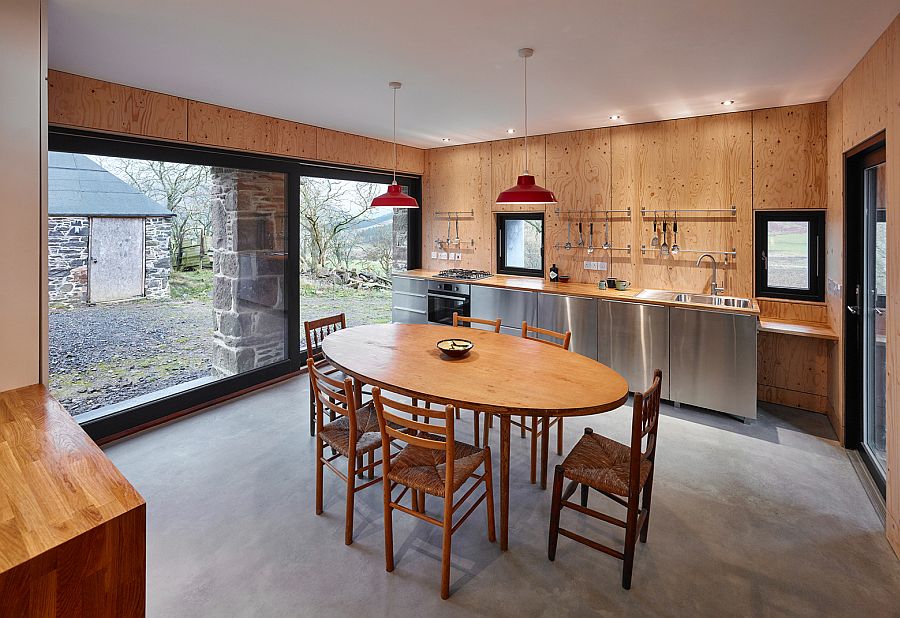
(459, 320)
(354, 434)
(560, 340)
(432, 462)
(316, 331)
(619, 472)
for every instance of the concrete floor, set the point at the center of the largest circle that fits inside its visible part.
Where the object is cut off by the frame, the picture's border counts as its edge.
(766, 519)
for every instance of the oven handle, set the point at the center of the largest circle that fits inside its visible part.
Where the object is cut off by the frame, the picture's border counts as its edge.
(459, 298)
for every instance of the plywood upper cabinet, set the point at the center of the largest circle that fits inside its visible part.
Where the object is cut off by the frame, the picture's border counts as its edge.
(340, 147)
(214, 125)
(83, 102)
(789, 168)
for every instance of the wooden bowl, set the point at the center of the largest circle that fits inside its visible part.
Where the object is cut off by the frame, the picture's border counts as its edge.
(455, 348)
(564, 278)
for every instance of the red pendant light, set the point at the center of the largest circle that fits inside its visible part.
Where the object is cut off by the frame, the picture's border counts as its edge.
(526, 190)
(395, 198)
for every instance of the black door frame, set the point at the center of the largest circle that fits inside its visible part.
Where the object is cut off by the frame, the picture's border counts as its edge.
(61, 139)
(867, 154)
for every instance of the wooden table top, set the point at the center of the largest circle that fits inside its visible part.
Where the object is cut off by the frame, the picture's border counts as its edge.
(502, 374)
(55, 483)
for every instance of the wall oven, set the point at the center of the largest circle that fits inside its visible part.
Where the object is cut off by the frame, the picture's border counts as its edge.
(446, 298)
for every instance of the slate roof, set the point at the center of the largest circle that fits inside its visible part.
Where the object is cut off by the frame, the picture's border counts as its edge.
(76, 186)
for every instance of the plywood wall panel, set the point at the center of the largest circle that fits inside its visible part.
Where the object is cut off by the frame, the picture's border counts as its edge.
(77, 101)
(792, 371)
(789, 164)
(816, 313)
(834, 259)
(865, 95)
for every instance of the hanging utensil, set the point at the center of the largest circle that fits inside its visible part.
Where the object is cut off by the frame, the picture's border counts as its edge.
(457, 229)
(580, 235)
(664, 247)
(675, 249)
(568, 245)
(606, 246)
(591, 234)
(654, 242)
(448, 230)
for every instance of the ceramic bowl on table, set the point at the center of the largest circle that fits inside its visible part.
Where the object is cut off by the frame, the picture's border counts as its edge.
(455, 348)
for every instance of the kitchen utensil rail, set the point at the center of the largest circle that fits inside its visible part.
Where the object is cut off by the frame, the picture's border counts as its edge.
(627, 248)
(454, 213)
(587, 213)
(732, 253)
(648, 212)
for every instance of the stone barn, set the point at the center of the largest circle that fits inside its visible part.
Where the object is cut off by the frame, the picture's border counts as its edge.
(107, 241)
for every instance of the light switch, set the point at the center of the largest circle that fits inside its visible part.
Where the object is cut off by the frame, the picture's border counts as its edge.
(434, 255)
(601, 265)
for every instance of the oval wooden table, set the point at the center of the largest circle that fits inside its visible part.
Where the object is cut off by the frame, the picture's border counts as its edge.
(503, 374)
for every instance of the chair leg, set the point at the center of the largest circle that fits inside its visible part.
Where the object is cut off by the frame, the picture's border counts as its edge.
(559, 436)
(312, 412)
(476, 432)
(554, 513)
(359, 465)
(351, 486)
(445, 546)
(319, 469)
(630, 541)
(584, 495)
(370, 459)
(489, 488)
(388, 528)
(534, 448)
(545, 449)
(486, 429)
(645, 505)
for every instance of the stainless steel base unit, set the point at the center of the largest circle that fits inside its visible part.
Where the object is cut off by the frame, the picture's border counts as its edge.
(577, 314)
(633, 339)
(713, 360)
(409, 301)
(511, 306)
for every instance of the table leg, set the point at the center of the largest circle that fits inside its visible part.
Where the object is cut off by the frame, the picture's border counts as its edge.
(505, 429)
(357, 392)
(545, 450)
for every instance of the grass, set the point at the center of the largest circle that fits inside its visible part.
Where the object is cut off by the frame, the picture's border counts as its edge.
(191, 284)
(794, 245)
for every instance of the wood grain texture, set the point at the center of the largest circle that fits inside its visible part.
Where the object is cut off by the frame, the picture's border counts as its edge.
(789, 165)
(816, 313)
(340, 147)
(83, 102)
(865, 92)
(799, 329)
(72, 528)
(834, 259)
(458, 178)
(214, 125)
(792, 370)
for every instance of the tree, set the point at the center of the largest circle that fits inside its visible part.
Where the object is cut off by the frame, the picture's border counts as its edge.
(183, 189)
(381, 250)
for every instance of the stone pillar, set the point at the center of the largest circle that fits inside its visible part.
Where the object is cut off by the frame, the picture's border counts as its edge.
(249, 253)
(157, 260)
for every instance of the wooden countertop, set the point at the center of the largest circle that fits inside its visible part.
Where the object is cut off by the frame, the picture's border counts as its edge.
(55, 483)
(534, 284)
(799, 329)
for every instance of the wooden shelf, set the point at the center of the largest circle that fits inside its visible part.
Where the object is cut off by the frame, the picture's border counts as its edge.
(799, 329)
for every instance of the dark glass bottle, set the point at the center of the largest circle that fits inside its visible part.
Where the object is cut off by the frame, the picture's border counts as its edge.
(554, 273)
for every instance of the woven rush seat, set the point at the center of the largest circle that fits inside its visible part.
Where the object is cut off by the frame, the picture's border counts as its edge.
(337, 433)
(603, 464)
(424, 469)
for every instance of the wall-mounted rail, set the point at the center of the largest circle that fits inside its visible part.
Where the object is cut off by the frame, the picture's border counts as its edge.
(560, 247)
(732, 254)
(450, 214)
(646, 212)
(586, 214)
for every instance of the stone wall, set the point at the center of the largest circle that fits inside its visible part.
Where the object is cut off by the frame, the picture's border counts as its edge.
(67, 256)
(249, 219)
(157, 259)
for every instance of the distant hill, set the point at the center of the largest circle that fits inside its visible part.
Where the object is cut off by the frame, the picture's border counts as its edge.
(380, 219)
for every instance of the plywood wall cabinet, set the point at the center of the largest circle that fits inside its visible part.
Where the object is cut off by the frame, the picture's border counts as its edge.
(213, 125)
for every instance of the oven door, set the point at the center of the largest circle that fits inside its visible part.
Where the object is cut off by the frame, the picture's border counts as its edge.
(442, 305)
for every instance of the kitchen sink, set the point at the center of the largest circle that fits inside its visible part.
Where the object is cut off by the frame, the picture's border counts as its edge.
(701, 299)
(658, 295)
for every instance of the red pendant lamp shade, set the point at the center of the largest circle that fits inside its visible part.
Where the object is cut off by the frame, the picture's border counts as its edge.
(394, 198)
(526, 191)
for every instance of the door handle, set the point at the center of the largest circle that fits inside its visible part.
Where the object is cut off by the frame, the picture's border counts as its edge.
(93, 260)
(852, 309)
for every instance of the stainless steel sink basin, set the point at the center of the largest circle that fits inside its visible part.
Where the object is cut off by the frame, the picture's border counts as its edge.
(702, 299)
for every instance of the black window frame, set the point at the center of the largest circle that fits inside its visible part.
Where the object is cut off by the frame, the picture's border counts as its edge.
(816, 221)
(129, 420)
(500, 222)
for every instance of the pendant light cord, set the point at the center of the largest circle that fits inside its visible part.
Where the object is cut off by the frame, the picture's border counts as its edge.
(395, 136)
(526, 113)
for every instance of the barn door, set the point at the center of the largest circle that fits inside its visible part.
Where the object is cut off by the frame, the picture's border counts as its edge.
(116, 270)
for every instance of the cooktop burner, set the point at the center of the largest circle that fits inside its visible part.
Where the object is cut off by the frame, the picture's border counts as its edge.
(461, 273)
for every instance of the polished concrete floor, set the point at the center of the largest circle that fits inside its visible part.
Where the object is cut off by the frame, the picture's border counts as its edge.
(766, 519)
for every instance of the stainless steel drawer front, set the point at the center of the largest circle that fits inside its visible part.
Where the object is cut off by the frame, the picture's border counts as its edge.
(577, 314)
(633, 339)
(511, 306)
(714, 360)
(408, 316)
(409, 285)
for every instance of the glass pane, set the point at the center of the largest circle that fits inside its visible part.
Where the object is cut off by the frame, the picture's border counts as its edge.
(348, 251)
(523, 241)
(163, 277)
(875, 316)
(788, 255)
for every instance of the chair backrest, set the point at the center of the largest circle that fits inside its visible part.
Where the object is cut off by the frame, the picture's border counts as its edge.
(395, 422)
(333, 395)
(457, 319)
(645, 423)
(317, 330)
(563, 339)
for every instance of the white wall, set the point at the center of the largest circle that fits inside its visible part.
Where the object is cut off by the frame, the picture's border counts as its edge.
(22, 169)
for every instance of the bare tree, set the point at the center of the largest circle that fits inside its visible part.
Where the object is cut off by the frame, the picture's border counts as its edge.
(381, 250)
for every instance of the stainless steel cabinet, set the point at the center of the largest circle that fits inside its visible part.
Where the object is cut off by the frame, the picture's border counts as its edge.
(633, 339)
(575, 313)
(409, 300)
(713, 360)
(512, 307)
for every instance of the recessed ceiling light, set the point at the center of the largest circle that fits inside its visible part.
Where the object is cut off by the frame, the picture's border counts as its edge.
(446, 140)
(510, 131)
(615, 117)
(728, 102)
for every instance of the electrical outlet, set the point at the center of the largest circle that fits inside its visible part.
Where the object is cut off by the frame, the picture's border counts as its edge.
(601, 265)
(434, 255)
(442, 255)
(458, 256)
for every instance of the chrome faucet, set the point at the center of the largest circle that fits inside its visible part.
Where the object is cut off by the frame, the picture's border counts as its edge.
(714, 287)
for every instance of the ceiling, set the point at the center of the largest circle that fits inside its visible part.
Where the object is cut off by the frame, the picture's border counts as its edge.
(327, 63)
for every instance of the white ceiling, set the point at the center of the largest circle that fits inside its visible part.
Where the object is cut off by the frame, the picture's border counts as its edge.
(327, 63)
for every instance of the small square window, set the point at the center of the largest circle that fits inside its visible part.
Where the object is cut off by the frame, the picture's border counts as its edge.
(790, 255)
(520, 244)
